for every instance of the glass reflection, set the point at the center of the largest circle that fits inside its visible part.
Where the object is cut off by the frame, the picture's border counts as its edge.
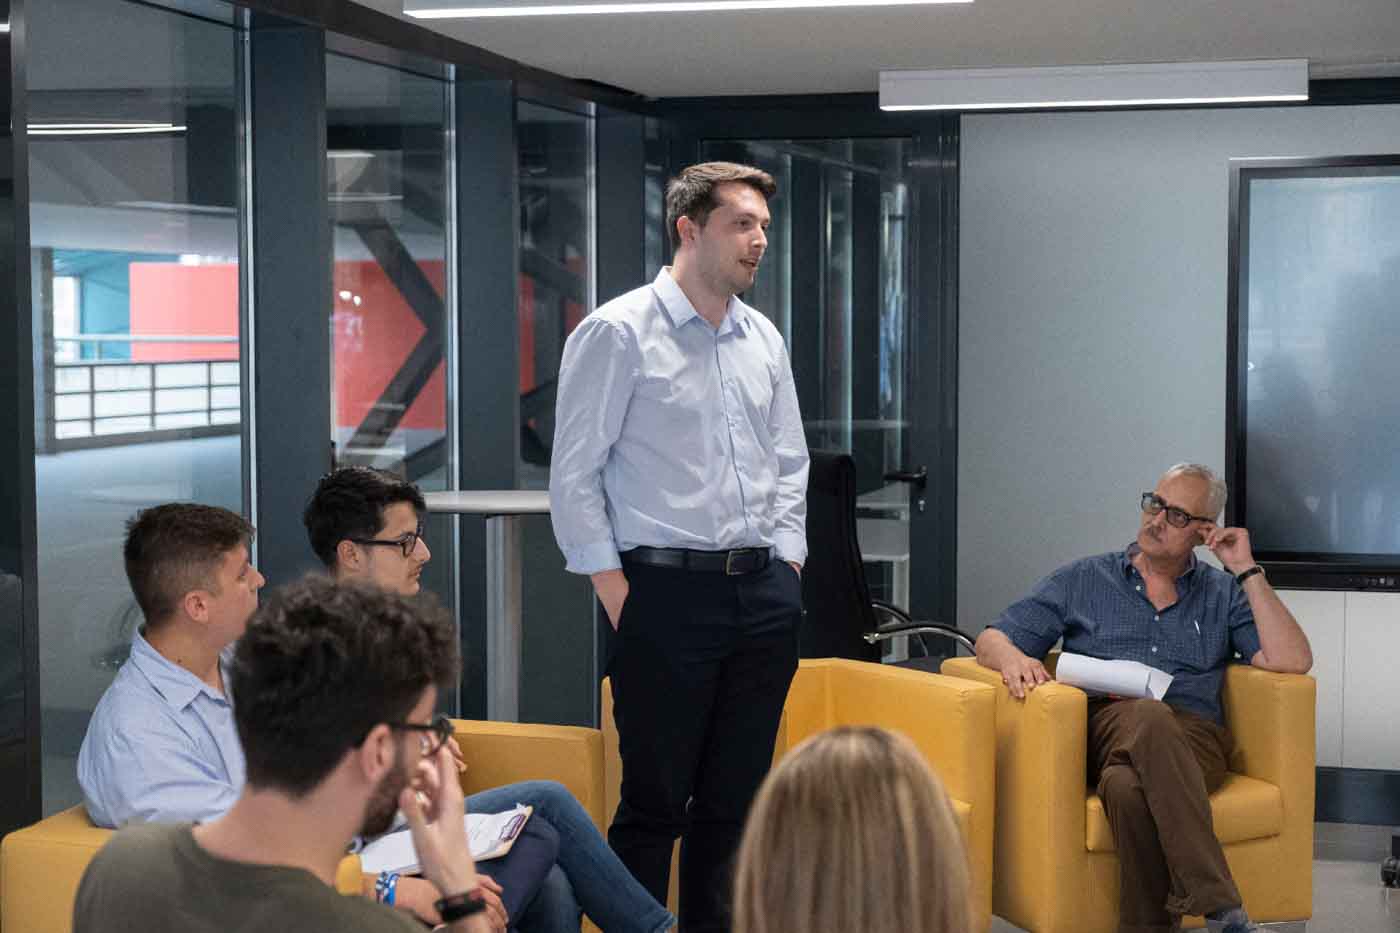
(135, 191)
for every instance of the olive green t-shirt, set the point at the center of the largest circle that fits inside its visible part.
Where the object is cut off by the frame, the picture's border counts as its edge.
(156, 879)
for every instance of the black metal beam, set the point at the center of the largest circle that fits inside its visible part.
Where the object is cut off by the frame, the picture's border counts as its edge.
(20, 754)
(488, 333)
(367, 25)
(290, 353)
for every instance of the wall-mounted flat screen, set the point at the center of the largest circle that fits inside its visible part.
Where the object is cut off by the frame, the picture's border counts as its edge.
(1313, 439)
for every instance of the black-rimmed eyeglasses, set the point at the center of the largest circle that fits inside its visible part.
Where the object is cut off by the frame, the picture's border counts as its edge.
(407, 543)
(1177, 518)
(432, 735)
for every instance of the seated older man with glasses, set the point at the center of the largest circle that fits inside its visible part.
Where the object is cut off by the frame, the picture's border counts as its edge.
(367, 525)
(1156, 762)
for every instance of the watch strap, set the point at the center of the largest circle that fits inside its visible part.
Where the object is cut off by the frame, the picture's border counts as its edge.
(456, 906)
(1246, 574)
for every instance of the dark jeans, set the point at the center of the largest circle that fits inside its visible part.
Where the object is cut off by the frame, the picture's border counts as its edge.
(1155, 768)
(700, 670)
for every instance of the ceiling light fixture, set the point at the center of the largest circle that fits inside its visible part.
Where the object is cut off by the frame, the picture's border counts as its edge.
(455, 9)
(1159, 84)
(103, 129)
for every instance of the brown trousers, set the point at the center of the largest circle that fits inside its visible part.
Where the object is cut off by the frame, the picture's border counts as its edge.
(1155, 768)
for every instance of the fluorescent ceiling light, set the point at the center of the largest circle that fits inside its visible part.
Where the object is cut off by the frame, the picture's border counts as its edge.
(1095, 85)
(455, 9)
(103, 129)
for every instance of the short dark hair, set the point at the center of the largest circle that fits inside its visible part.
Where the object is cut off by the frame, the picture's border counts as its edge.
(174, 548)
(692, 192)
(350, 503)
(321, 664)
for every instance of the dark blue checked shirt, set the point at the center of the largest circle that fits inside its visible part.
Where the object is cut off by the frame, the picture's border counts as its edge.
(1099, 606)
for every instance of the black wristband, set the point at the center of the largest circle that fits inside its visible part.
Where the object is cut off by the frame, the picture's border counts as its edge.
(456, 906)
(1246, 574)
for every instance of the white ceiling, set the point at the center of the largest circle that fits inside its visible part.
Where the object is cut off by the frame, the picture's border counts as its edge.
(827, 51)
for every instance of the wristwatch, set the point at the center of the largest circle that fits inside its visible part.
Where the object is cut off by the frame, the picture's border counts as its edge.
(1244, 575)
(456, 906)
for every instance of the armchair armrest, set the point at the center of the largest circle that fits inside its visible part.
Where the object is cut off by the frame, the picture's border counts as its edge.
(1041, 784)
(499, 753)
(1272, 719)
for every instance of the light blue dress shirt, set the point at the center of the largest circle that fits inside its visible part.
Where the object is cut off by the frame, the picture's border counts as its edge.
(672, 433)
(161, 746)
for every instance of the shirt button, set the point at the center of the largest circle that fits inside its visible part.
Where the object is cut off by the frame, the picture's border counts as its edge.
(1156, 618)
(1154, 649)
(1139, 589)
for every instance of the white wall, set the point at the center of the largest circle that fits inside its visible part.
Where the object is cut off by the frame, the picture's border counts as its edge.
(1092, 319)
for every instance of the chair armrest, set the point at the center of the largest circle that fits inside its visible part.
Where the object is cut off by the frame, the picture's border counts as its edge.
(1272, 718)
(499, 753)
(1041, 784)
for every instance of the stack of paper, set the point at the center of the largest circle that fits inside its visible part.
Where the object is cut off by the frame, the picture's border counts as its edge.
(1117, 678)
(490, 835)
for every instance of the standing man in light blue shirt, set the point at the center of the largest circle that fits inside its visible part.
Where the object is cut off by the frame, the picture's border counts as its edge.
(678, 484)
(161, 745)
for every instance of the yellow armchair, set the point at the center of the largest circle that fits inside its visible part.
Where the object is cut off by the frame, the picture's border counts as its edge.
(949, 720)
(1055, 867)
(41, 865)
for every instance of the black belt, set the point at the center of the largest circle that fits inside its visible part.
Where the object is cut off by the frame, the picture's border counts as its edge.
(732, 563)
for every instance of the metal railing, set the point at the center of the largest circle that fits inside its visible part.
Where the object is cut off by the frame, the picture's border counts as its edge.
(105, 402)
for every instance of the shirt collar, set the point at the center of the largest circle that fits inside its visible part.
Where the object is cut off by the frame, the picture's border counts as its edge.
(177, 686)
(1125, 561)
(680, 310)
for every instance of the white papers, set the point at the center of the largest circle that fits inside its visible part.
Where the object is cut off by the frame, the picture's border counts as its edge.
(1118, 678)
(488, 834)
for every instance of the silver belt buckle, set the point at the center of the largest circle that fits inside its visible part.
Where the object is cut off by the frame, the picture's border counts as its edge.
(729, 570)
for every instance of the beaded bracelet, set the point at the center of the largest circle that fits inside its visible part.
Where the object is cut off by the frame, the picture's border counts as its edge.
(385, 886)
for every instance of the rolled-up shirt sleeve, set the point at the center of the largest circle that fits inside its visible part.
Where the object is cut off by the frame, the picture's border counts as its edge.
(790, 444)
(596, 378)
(1244, 636)
(1036, 622)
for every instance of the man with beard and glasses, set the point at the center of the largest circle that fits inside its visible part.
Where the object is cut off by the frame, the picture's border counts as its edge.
(1155, 762)
(679, 485)
(333, 688)
(367, 525)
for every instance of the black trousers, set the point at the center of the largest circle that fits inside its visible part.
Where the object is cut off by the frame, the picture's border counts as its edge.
(700, 667)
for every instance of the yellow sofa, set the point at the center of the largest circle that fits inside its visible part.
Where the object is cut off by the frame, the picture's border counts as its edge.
(950, 720)
(41, 865)
(1055, 868)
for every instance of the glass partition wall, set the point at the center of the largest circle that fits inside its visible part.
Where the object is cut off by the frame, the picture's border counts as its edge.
(135, 195)
(836, 282)
(556, 289)
(391, 205)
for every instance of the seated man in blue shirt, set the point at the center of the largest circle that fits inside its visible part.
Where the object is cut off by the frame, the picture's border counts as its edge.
(1155, 763)
(161, 745)
(366, 525)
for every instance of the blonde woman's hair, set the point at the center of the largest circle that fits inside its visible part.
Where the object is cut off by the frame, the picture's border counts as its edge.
(852, 831)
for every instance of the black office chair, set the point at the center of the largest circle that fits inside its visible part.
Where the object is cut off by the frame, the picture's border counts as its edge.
(841, 620)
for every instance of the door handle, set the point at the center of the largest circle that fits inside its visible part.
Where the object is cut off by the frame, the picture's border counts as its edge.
(916, 478)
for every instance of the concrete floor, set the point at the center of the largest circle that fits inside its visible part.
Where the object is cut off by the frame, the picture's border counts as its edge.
(1347, 893)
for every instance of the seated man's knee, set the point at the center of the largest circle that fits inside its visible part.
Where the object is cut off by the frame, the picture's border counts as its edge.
(1153, 719)
(1120, 785)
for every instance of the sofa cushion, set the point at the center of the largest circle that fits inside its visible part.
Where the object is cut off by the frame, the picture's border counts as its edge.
(1242, 808)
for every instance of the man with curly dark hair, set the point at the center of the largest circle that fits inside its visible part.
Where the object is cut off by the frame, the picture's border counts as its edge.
(334, 688)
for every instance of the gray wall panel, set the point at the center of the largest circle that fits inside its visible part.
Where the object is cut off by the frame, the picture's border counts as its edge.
(1092, 340)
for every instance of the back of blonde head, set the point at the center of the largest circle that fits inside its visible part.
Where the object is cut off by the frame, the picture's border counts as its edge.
(852, 831)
